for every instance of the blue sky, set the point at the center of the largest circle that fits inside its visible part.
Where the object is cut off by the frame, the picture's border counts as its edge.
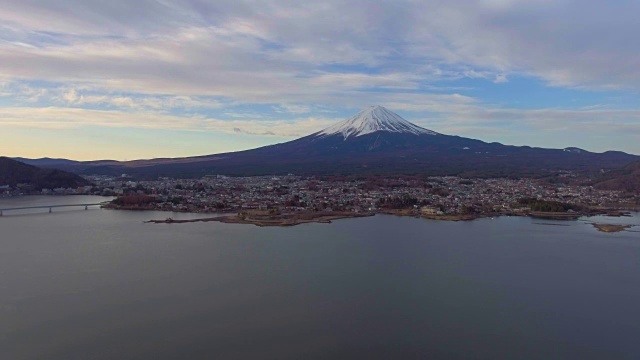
(126, 80)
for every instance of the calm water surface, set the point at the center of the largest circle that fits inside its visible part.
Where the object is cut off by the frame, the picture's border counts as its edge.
(100, 284)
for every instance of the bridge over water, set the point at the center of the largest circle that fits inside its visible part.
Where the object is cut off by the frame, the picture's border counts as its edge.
(50, 207)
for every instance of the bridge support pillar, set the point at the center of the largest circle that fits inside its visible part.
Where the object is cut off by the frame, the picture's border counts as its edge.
(0, 212)
(86, 207)
(50, 210)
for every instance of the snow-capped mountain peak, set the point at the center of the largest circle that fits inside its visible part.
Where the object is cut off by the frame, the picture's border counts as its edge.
(373, 119)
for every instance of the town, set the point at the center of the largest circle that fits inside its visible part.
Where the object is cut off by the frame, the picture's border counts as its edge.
(428, 196)
(437, 196)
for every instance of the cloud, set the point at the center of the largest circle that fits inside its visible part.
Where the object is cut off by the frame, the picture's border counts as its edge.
(231, 49)
(202, 47)
(221, 65)
(250, 132)
(23, 93)
(292, 109)
(71, 96)
(67, 118)
(79, 98)
(500, 79)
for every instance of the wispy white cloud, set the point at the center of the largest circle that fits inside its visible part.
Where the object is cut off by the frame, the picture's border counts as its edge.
(22, 92)
(76, 98)
(292, 109)
(66, 117)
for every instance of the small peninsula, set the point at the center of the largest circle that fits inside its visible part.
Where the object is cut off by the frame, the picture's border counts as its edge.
(264, 218)
(611, 228)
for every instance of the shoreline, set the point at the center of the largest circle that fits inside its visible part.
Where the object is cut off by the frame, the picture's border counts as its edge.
(275, 220)
(273, 217)
(264, 219)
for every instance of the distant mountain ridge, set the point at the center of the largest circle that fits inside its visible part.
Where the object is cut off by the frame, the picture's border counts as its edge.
(47, 162)
(374, 141)
(13, 172)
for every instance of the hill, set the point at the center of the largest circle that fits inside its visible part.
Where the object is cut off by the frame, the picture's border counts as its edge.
(13, 172)
(625, 179)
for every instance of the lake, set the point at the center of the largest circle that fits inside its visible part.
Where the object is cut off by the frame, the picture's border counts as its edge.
(101, 284)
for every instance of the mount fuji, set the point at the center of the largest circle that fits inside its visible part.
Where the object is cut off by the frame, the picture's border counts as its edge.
(374, 141)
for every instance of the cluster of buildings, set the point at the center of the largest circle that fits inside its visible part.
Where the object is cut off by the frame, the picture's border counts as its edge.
(25, 189)
(433, 195)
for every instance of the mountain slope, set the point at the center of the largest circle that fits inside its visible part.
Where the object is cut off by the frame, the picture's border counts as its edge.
(374, 141)
(13, 172)
(625, 179)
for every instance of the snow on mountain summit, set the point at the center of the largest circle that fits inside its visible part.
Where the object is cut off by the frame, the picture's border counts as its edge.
(372, 119)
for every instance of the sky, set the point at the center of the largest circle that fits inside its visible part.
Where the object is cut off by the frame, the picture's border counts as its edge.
(93, 79)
